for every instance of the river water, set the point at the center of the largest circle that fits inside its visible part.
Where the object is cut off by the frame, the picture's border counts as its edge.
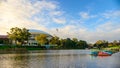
(59, 59)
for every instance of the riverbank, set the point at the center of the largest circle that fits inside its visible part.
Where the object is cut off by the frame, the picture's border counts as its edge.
(8, 47)
(29, 48)
(113, 49)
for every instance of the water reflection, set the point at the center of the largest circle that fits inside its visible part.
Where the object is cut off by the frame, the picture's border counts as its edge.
(58, 59)
(13, 61)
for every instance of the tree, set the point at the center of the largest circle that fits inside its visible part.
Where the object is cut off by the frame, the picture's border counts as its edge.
(42, 39)
(19, 35)
(115, 43)
(82, 44)
(75, 41)
(68, 43)
(24, 35)
(55, 40)
(62, 42)
(101, 43)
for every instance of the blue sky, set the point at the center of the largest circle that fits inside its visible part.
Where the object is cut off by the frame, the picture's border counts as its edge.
(92, 6)
(89, 20)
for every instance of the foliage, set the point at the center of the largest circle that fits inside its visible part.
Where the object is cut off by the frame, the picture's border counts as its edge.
(54, 41)
(22, 35)
(82, 44)
(73, 44)
(101, 43)
(42, 39)
(115, 42)
(68, 43)
(19, 35)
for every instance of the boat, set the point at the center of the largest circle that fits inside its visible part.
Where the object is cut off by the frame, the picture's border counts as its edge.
(103, 53)
(95, 53)
(109, 52)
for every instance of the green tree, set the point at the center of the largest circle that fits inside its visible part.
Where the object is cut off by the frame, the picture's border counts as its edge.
(19, 35)
(55, 41)
(115, 42)
(68, 43)
(42, 39)
(82, 44)
(62, 42)
(75, 41)
(101, 43)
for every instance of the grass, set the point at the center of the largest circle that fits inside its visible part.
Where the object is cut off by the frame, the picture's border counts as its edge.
(5, 47)
(113, 49)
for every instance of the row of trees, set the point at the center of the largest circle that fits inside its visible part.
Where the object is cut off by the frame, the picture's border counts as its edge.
(103, 44)
(61, 43)
(22, 35)
(75, 43)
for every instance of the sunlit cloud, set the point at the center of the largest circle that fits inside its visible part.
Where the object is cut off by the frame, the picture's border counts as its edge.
(24, 13)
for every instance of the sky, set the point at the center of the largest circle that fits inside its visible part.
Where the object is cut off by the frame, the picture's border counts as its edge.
(89, 20)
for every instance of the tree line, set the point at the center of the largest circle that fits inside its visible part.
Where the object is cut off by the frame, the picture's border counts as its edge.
(21, 36)
(62, 43)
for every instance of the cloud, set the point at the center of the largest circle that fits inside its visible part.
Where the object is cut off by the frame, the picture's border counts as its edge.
(25, 13)
(111, 14)
(107, 29)
(59, 20)
(86, 15)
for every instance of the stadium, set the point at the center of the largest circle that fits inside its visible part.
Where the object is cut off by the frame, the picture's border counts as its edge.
(31, 42)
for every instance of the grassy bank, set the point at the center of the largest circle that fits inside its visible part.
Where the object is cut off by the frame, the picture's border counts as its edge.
(8, 47)
(12, 47)
(18, 47)
(113, 49)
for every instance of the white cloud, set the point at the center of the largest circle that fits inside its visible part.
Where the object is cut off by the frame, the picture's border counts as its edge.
(23, 13)
(108, 26)
(111, 14)
(86, 15)
(59, 20)
(106, 30)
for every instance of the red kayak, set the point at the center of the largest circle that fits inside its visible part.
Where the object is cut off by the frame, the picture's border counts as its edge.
(103, 54)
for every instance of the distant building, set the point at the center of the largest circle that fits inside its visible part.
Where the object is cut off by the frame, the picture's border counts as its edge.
(4, 39)
(35, 33)
(31, 42)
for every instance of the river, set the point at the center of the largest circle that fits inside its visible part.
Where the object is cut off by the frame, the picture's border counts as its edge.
(59, 59)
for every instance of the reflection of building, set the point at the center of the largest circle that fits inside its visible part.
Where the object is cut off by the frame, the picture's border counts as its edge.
(34, 33)
(4, 38)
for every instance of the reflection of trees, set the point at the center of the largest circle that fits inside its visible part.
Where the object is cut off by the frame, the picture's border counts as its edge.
(45, 59)
(13, 61)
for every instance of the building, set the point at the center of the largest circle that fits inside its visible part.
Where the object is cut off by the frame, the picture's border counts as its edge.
(4, 39)
(31, 42)
(35, 33)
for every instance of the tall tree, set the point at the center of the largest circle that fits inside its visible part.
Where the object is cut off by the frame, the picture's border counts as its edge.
(19, 35)
(24, 35)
